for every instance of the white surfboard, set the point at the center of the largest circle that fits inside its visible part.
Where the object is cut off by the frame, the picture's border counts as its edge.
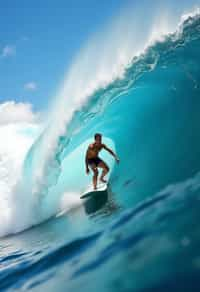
(90, 190)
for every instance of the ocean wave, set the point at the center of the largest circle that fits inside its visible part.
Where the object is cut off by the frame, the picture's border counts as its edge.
(127, 108)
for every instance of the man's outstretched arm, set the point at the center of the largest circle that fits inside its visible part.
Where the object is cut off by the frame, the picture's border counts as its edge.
(111, 152)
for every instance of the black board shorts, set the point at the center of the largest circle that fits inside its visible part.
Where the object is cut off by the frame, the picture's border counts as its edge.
(95, 160)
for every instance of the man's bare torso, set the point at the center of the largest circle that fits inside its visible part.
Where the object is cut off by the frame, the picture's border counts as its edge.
(93, 150)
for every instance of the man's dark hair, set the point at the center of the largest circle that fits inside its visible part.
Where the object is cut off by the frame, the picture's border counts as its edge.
(97, 135)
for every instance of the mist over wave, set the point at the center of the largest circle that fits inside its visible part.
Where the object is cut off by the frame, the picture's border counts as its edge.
(16, 141)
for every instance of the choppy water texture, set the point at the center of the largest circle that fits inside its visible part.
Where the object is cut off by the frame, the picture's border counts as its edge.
(143, 234)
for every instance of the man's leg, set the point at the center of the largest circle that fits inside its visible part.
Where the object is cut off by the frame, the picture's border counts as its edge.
(95, 176)
(105, 168)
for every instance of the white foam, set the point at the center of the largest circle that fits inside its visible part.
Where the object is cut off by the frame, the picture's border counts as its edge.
(69, 201)
(13, 147)
(192, 13)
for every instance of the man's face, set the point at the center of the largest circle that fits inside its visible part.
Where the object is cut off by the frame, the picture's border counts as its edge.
(98, 140)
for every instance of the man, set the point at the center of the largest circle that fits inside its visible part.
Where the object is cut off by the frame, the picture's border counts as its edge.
(92, 159)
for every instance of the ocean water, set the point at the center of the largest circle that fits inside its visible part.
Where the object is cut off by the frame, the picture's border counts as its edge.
(140, 235)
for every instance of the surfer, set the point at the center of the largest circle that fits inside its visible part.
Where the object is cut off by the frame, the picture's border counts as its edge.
(92, 159)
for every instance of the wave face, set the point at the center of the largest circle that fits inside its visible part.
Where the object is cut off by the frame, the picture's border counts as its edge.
(150, 117)
(151, 114)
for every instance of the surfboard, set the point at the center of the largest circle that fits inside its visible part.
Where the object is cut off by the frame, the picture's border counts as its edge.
(91, 192)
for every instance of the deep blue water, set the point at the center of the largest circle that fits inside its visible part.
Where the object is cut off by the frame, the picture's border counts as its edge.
(142, 234)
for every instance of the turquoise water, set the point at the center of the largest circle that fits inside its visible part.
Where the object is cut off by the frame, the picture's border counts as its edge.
(142, 234)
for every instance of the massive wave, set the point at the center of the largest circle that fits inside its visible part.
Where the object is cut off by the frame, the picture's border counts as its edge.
(147, 108)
